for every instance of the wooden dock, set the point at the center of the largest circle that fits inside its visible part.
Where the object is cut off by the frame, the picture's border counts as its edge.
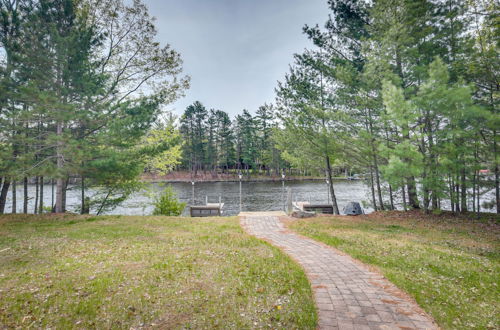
(316, 208)
(207, 210)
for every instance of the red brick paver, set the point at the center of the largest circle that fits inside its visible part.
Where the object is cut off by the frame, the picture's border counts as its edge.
(348, 295)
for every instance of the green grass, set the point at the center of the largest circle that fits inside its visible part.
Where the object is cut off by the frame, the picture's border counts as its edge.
(133, 272)
(450, 266)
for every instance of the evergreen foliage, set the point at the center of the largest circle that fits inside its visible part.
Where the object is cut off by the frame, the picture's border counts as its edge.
(212, 142)
(80, 90)
(168, 204)
(407, 94)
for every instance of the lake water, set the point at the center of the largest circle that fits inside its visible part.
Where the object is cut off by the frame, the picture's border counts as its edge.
(247, 196)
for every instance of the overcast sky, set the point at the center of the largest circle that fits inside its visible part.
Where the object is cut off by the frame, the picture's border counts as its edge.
(235, 50)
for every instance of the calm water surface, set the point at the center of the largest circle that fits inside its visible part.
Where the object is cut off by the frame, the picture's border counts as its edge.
(247, 196)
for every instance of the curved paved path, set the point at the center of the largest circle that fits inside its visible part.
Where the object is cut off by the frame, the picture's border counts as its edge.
(348, 295)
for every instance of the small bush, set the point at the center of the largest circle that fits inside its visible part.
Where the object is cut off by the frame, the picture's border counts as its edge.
(168, 204)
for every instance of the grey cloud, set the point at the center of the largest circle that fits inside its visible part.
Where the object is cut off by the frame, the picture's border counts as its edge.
(235, 50)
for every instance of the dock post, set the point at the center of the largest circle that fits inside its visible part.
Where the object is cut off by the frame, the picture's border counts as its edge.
(289, 201)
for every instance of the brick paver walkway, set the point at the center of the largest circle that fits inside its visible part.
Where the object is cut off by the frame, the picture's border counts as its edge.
(348, 295)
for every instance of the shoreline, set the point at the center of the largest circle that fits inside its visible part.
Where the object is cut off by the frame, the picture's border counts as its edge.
(155, 179)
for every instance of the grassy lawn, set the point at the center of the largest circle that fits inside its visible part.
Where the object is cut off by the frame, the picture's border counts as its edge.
(134, 272)
(451, 266)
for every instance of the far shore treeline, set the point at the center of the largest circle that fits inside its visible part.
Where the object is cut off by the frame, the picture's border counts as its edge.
(404, 93)
(216, 143)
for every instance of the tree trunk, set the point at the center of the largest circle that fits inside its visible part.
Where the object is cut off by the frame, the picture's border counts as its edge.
(425, 191)
(106, 199)
(82, 211)
(411, 183)
(404, 198)
(372, 186)
(474, 192)
(475, 183)
(391, 197)
(25, 199)
(375, 160)
(463, 190)
(497, 171)
(65, 189)
(3, 194)
(40, 209)
(434, 200)
(425, 170)
(412, 186)
(332, 191)
(14, 197)
(52, 205)
(60, 164)
(478, 206)
(377, 180)
(457, 194)
(452, 194)
(412, 193)
(35, 209)
(433, 162)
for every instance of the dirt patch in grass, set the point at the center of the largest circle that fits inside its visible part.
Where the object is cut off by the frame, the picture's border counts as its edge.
(143, 272)
(449, 265)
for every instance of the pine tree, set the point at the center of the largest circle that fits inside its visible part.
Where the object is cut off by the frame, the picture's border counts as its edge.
(246, 141)
(307, 113)
(225, 138)
(71, 111)
(193, 128)
(264, 120)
